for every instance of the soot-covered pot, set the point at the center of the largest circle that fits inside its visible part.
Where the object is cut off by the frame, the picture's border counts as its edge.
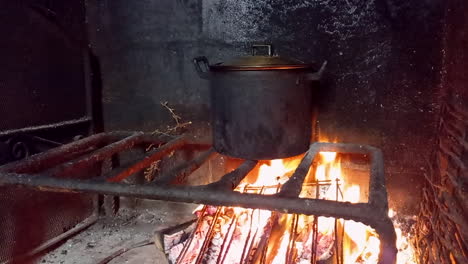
(261, 105)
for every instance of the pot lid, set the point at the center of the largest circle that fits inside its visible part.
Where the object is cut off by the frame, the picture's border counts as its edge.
(260, 62)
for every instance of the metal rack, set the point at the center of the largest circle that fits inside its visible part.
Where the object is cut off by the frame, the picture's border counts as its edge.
(50, 171)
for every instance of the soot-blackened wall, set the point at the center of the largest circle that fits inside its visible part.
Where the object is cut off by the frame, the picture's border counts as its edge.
(381, 86)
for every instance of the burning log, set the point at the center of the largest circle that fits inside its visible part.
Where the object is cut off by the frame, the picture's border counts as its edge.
(172, 240)
(230, 235)
(234, 235)
(308, 248)
(242, 236)
(302, 240)
(195, 244)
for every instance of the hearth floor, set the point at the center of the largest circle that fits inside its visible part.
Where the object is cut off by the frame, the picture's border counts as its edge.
(128, 228)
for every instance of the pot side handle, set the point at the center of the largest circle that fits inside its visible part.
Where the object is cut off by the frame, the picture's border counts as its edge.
(316, 76)
(204, 72)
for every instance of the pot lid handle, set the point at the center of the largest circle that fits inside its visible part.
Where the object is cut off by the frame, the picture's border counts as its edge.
(203, 72)
(267, 46)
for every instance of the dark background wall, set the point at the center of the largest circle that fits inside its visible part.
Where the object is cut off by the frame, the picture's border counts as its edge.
(42, 83)
(381, 87)
(42, 62)
(444, 210)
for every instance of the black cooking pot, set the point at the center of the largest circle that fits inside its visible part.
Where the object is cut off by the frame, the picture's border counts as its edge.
(261, 105)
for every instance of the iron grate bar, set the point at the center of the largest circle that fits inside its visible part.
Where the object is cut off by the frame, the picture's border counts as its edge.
(232, 179)
(184, 170)
(293, 187)
(151, 157)
(87, 160)
(373, 213)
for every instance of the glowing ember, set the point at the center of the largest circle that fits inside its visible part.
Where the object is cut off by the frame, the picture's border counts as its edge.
(406, 252)
(238, 235)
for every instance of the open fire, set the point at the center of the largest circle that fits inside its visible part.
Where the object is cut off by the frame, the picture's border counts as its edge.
(292, 205)
(238, 235)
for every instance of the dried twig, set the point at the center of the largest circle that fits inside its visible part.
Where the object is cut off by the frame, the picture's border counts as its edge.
(172, 130)
(150, 172)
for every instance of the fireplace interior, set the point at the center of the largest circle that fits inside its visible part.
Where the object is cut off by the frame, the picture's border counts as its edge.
(114, 150)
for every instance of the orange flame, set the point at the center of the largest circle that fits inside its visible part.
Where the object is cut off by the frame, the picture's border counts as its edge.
(406, 252)
(360, 242)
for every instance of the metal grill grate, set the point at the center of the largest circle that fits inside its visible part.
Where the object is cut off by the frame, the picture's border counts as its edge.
(77, 157)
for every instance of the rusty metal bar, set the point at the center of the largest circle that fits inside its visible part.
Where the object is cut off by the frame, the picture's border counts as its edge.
(293, 187)
(159, 140)
(66, 123)
(151, 157)
(200, 194)
(190, 239)
(72, 166)
(373, 213)
(87, 160)
(53, 156)
(208, 237)
(377, 190)
(61, 154)
(196, 194)
(184, 170)
(232, 179)
(229, 237)
(360, 212)
(156, 140)
(248, 239)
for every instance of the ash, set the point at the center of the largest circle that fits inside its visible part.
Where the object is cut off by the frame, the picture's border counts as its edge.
(128, 228)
